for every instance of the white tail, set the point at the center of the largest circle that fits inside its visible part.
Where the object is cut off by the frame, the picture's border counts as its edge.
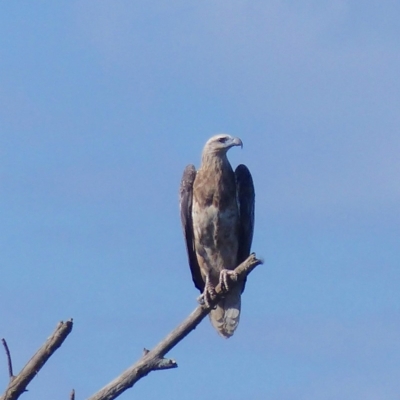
(225, 317)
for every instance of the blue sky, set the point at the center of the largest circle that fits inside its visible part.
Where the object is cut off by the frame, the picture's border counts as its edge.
(103, 104)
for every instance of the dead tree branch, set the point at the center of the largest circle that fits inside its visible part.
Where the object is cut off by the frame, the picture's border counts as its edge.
(19, 382)
(9, 362)
(154, 360)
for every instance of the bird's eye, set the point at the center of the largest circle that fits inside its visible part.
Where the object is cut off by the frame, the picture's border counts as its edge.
(222, 140)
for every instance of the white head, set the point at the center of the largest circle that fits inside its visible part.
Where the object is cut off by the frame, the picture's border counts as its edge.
(220, 144)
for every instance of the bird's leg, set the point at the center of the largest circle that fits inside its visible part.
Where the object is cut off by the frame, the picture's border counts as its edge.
(223, 278)
(208, 294)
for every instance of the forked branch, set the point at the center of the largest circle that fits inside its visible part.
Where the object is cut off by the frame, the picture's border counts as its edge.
(18, 383)
(154, 360)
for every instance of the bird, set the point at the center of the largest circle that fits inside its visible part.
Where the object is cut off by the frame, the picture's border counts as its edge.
(217, 216)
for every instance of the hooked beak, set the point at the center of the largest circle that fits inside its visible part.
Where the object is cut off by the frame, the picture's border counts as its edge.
(237, 142)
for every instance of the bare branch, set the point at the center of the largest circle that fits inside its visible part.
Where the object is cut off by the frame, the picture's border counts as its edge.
(19, 383)
(151, 360)
(72, 395)
(9, 363)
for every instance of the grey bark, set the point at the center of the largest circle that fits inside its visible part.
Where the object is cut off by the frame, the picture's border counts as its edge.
(18, 383)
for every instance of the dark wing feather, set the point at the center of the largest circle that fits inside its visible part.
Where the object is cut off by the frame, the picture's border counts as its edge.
(185, 202)
(246, 196)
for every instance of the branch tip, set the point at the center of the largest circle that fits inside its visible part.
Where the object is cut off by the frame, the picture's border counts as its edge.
(9, 362)
(165, 363)
(160, 362)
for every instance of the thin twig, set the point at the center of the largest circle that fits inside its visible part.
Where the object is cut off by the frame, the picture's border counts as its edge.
(151, 360)
(72, 395)
(18, 385)
(9, 362)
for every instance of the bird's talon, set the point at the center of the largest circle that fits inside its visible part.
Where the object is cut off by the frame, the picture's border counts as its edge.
(209, 294)
(224, 280)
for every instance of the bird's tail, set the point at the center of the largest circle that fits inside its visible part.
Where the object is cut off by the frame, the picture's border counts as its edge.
(225, 317)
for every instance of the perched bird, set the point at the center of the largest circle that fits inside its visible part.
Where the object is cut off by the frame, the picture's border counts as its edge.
(217, 214)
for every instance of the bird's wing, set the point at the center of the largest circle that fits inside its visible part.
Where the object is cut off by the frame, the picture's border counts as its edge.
(246, 196)
(185, 202)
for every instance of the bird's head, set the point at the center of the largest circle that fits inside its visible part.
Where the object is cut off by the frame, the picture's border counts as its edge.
(220, 144)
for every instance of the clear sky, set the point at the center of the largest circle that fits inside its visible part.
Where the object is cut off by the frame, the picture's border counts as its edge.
(103, 104)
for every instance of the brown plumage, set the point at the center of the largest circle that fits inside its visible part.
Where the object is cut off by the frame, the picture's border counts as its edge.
(217, 213)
